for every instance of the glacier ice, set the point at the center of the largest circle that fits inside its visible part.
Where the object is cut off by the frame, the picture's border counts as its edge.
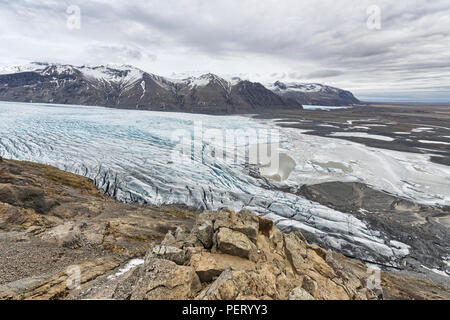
(173, 158)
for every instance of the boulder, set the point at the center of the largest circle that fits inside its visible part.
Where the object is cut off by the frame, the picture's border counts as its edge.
(209, 266)
(176, 239)
(300, 294)
(310, 286)
(296, 252)
(165, 280)
(247, 223)
(236, 244)
(205, 234)
(241, 285)
(168, 253)
(169, 239)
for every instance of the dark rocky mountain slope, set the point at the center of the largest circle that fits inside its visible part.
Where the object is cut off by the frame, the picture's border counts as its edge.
(314, 94)
(130, 88)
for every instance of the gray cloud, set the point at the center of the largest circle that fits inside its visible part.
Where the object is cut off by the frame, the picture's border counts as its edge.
(122, 54)
(325, 74)
(326, 41)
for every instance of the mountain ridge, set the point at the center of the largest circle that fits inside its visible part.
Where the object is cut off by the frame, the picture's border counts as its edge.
(313, 94)
(128, 87)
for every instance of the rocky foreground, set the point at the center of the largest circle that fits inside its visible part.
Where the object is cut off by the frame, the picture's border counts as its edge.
(62, 239)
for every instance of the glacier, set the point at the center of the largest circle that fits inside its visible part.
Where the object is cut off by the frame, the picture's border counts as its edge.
(173, 158)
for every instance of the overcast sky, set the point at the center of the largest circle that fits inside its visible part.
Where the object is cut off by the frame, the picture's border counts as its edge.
(396, 50)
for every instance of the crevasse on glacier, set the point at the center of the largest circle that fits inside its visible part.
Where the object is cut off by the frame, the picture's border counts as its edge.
(138, 156)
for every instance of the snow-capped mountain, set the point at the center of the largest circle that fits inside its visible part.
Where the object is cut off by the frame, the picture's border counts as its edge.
(313, 94)
(131, 88)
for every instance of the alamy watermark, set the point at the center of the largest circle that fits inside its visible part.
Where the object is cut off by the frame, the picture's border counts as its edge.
(74, 280)
(374, 281)
(258, 146)
(374, 17)
(73, 17)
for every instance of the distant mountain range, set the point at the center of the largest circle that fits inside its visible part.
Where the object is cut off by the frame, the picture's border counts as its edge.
(314, 94)
(131, 88)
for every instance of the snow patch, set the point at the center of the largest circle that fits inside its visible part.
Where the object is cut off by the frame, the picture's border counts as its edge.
(437, 271)
(435, 142)
(323, 108)
(30, 67)
(419, 130)
(130, 265)
(361, 135)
